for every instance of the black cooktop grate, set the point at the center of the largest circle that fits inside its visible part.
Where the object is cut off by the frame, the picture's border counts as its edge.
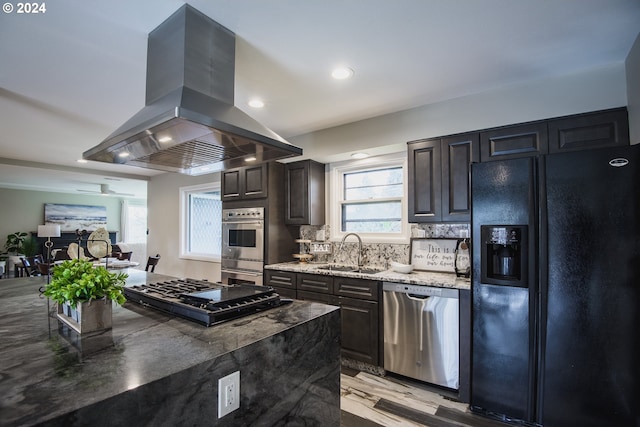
(202, 301)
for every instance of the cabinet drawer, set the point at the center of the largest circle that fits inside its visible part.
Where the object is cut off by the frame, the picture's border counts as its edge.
(357, 288)
(315, 283)
(280, 279)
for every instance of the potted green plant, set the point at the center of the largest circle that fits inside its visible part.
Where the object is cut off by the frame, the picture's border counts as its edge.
(84, 294)
(13, 247)
(14, 242)
(29, 246)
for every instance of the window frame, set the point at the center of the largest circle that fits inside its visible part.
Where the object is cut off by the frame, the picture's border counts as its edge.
(336, 176)
(185, 192)
(126, 223)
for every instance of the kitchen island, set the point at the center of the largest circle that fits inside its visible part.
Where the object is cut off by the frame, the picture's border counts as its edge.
(152, 368)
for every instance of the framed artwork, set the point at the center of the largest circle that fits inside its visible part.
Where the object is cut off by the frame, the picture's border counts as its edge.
(75, 217)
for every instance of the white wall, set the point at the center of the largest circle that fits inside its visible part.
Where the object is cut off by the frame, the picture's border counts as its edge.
(163, 203)
(633, 91)
(596, 89)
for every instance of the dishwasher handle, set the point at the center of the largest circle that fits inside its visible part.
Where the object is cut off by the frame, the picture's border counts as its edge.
(420, 291)
(416, 297)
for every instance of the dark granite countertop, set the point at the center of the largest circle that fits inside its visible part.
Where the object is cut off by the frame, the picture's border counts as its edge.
(423, 278)
(47, 370)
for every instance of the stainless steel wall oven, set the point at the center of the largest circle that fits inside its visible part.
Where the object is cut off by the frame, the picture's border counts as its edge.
(243, 238)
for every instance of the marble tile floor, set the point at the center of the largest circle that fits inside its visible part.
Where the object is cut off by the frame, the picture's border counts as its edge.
(368, 400)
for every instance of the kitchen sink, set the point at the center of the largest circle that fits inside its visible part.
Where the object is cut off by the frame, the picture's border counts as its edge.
(337, 268)
(370, 270)
(351, 269)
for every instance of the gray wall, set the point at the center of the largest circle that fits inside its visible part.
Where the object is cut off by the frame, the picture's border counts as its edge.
(23, 210)
(633, 91)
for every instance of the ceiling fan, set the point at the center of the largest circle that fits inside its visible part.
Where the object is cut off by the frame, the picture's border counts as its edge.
(106, 191)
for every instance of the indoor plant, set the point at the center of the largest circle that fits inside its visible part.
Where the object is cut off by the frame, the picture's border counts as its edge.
(29, 246)
(84, 294)
(14, 242)
(13, 247)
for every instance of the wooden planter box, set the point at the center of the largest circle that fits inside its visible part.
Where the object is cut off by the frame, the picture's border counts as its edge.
(87, 316)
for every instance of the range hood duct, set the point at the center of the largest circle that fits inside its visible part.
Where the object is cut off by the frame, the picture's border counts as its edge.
(189, 123)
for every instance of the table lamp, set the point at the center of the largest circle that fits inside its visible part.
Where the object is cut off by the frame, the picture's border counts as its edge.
(48, 231)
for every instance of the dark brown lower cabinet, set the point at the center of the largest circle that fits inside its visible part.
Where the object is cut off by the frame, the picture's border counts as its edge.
(358, 300)
(360, 332)
(284, 282)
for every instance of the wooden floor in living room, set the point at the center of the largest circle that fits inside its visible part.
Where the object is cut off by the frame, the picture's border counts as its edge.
(367, 400)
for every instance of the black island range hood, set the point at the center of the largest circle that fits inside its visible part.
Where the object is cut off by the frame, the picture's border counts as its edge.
(189, 123)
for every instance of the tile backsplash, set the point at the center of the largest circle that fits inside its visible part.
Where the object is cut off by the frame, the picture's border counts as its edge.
(379, 254)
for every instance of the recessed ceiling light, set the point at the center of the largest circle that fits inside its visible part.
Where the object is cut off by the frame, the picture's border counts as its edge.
(359, 155)
(250, 159)
(256, 103)
(341, 73)
(164, 139)
(123, 154)
(82, 161)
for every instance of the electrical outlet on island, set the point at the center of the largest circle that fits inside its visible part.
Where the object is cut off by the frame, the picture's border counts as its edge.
(228, 394)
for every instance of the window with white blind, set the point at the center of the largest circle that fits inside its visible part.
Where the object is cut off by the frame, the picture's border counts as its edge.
(369, 199)
(201, 222)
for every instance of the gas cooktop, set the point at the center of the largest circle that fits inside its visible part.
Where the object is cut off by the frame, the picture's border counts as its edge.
(202, 301)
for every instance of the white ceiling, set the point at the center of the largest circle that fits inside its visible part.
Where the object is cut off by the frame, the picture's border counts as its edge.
(72, 75)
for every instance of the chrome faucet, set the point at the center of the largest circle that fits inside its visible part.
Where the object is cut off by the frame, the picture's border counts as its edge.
(359, 247)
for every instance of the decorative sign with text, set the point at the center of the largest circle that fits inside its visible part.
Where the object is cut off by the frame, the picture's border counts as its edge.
(434, 254)
(320, 248)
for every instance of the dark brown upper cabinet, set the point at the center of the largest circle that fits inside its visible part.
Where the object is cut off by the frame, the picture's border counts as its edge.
(458, 152)
(509, 142)
(305, 193)
(249, 182)
(439, 168)
(598, 129)
(439, 178)
(425, 180)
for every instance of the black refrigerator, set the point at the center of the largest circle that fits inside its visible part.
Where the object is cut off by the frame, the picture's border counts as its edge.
(556, 288)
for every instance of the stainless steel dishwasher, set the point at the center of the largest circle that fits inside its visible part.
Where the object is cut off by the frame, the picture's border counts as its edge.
(421, 333)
